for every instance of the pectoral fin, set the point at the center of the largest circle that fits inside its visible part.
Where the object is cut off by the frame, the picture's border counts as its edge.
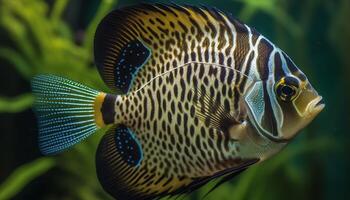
(211, 112)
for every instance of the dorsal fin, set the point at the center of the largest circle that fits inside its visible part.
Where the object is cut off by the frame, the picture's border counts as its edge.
(119, 54)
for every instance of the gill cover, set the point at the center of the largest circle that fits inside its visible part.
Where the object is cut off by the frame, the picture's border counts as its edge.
(264, 112)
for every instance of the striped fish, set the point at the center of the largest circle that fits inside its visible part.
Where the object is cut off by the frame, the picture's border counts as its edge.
(198, 95)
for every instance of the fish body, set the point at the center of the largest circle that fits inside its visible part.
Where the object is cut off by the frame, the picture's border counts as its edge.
(198, 96)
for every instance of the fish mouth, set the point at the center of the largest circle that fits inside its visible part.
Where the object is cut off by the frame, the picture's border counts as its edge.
(316, 106)
(320, 103)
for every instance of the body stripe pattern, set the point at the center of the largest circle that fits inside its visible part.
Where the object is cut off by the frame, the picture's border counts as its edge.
(197, 53)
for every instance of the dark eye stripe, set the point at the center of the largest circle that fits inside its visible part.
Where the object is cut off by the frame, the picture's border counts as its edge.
(290, 65)
(269, 117)
(294, 69)
(279, 72)
(292, 81)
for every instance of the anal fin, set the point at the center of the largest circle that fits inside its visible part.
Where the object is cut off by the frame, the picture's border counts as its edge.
(118, 159)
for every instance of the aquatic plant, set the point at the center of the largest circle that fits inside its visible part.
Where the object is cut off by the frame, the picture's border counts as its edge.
(39, 41)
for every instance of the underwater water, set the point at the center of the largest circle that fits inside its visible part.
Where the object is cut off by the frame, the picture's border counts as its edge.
(55, 37)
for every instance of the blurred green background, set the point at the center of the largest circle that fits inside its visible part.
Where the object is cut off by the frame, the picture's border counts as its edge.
(55, 36)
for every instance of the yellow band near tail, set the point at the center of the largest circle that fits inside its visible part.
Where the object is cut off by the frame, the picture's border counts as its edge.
(97, 108)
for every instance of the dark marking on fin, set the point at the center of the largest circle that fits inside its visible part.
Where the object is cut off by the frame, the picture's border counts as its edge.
(128, 146)
(119, 51)
(113, 168)
(130, 60)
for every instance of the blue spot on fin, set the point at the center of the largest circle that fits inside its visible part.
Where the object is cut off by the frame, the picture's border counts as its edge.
(128, 146)
(131, 59)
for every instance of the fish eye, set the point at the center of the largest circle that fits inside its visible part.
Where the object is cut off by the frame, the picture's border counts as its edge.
(287, 89)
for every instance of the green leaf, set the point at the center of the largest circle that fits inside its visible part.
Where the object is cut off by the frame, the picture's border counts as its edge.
(272, 8)
(57, 10)
(23, 175)
(14, 58)
(18, 35)
(16, 104)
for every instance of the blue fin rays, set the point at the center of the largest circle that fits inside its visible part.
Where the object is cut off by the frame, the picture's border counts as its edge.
(65, 111)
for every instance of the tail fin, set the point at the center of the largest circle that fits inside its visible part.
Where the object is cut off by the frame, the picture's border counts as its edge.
(65, 111)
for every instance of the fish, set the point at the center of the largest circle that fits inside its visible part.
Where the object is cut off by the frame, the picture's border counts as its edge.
(195, 95)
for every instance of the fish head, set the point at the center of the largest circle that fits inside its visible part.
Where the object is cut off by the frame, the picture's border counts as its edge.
(283, 103)
(299, 102)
